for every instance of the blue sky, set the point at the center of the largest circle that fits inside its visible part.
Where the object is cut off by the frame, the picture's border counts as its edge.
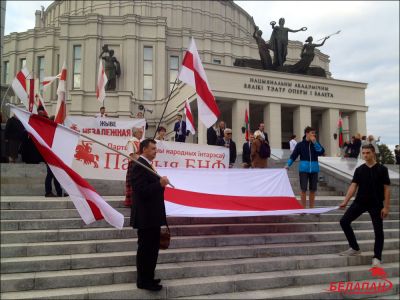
(366, 50)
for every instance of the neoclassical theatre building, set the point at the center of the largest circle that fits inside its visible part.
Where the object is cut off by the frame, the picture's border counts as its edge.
(149, 39)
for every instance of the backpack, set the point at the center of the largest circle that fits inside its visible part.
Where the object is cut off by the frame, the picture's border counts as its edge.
(265, 150)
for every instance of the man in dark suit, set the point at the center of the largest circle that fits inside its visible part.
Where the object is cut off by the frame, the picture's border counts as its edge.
(147, 215)
(180, 130)
(247, 151)
(211, 136)
(227, 142)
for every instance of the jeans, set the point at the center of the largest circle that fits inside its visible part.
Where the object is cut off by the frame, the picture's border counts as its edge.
(352, 213)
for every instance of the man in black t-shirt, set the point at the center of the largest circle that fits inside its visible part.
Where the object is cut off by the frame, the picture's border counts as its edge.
(373, 195)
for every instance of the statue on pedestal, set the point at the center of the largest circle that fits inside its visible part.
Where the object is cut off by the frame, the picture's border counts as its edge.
(112, 68)
(307, 56)
(279, 41)
(263, 49)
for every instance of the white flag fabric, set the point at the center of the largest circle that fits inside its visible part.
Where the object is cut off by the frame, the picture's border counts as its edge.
(193, 74)
(57, 145)
(49, 80)
(61, 109)
(231, 193)
(101, 83)
(19, 85)
(189, 118)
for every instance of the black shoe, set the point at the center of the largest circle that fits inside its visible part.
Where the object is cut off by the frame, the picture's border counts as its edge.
(150, 287)
(61, 195)
(156, 281)
(50, 195)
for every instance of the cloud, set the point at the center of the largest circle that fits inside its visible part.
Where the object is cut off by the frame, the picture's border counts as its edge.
(18, 19)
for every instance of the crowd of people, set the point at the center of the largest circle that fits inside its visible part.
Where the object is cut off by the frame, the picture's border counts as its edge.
(352, 148)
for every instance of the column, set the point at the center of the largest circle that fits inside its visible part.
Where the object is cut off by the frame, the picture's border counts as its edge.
(238, 113)
(357, 123)
(272, 121)
(329, 127)
(201, 133)
(301, 119)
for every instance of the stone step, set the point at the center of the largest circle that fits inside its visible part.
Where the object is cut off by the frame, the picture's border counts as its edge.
(73, 213)
(177, 230)
(42, 203)
(126, 258)
(126, 244)
(316, 291)
(210, 285)
(165, 271)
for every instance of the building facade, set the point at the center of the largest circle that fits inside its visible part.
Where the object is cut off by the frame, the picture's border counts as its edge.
(149, 39)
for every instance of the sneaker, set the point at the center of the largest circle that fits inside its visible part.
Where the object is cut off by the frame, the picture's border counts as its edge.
(50, 195)
(376, 262)
(350, 252)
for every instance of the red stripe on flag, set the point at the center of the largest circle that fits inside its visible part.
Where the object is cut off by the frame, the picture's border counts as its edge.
(46, 130)
(31, 93)
(63, 74)
(55, 161)
(201, 86)
(95, 210)
(60, 117)
(227, 202)
(189, 115)
(22, 79)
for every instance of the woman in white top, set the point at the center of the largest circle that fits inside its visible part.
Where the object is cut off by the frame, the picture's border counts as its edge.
(133, 147)
(292, 143)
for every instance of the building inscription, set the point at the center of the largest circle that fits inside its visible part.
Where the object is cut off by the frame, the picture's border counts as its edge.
(288, 87)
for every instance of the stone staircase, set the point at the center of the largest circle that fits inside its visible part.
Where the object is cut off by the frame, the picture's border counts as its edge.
(47, 252)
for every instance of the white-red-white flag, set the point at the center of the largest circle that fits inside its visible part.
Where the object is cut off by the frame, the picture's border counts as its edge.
(101, 83)
(20, 87)
(57, 144)
(189, 118)
(40, 102)
(192, 73)
(61, 109)
(49, 80)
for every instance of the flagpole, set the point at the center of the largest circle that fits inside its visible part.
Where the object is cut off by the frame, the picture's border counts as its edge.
(4, 97)
(165, 108)
(9, 86)
(104, 145)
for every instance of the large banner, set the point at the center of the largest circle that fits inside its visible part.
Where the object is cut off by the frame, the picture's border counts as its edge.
(232, 193)
(94, 161)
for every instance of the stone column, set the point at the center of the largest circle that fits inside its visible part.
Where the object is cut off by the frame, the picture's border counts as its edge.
(301, 119)
(329, 127)
(201, 133)
(272, 121)
(238, 112)
(357, 123)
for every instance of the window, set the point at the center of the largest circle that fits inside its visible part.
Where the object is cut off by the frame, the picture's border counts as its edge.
(40, 67)
(216, 61)
(22, 63)
(148, 73)
(173, 70)
(76, 80)
(5, 72)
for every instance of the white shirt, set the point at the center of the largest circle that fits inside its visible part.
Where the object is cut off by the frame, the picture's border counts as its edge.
(292, 144)
(99, 115)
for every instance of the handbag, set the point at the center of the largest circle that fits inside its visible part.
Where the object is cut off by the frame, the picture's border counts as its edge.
(165, 238)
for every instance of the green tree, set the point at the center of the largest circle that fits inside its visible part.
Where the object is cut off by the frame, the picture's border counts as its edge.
(386, 156)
